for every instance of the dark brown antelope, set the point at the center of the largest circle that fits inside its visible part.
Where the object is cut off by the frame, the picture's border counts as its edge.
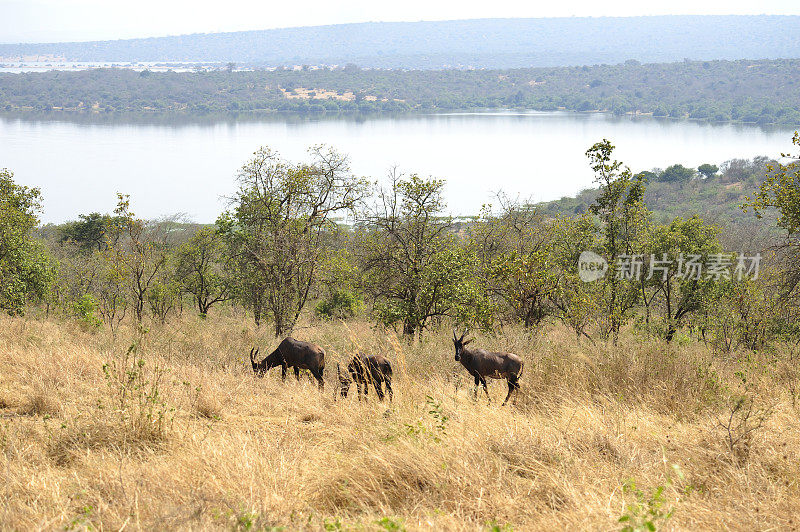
(481, 364)
(366, 370)
(295, 354)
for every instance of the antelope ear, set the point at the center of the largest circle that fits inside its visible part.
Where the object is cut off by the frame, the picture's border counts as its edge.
(467, 341)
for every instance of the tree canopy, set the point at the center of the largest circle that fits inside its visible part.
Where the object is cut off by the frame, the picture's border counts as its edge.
(25, 269)
(282, 215)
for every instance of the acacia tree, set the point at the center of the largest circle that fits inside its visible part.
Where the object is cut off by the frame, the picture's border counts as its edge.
(575, 302)
(92, 231)
(164, 294)
(528, 266)
(140, 250)
(680, 295)
(514, 253)
(744, 312)
(708, 170)
(277, 229)
(781, 191)
(414, 268)
(623, 218)
(201, 270)
(77, 274)
(112, 286)
(25, 269)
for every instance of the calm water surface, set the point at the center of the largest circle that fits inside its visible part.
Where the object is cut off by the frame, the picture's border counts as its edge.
(191, 168)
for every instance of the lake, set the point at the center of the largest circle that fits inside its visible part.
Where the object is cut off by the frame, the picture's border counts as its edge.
(190, 167)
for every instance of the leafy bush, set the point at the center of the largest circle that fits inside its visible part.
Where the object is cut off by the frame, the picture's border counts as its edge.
(340, 304)
(86, 309)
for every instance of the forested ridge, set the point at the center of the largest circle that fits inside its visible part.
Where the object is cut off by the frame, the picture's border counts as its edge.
(480, 43)
(715, 190)
(764, 91)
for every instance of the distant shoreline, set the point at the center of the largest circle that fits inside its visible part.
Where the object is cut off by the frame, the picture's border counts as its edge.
(763, 92)
(187, 118)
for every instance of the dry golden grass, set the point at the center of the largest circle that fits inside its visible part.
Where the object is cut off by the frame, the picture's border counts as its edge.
(220, 449)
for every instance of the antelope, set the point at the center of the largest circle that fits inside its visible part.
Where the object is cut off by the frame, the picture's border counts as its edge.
(481, 364)
(366, 369)
(292, 353)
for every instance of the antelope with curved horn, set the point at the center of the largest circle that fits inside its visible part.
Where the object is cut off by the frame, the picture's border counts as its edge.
(494, 365)
(295, 354)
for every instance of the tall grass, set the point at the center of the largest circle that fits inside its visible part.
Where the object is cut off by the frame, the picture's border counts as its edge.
(169, 429)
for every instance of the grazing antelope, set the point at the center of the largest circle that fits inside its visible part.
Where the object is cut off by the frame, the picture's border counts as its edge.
(366, 369)
(481, 364)
(292, 353)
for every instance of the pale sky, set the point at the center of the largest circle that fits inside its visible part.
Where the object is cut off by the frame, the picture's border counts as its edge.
(83, 20)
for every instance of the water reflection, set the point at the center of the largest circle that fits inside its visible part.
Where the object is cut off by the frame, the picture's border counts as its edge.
(188, 164)
(178, 120)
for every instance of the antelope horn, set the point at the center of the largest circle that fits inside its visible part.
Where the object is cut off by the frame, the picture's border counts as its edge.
(251, 354)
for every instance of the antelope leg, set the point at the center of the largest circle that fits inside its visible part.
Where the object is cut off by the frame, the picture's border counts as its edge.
(389, 389)
(510, 390)
(513, 386)
(379, 389)
(485, 389)
(318, 375)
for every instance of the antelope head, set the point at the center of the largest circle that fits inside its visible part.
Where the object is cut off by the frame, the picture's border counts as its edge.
(459, 343)
(259, 368)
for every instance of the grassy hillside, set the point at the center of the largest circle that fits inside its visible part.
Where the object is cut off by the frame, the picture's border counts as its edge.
(762, 92)
(190, 439)
(482, 43)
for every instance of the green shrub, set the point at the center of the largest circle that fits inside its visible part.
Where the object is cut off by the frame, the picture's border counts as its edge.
(86, 310)
(340, 304)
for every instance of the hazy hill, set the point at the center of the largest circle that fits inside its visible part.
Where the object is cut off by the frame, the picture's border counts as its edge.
(484, 43)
